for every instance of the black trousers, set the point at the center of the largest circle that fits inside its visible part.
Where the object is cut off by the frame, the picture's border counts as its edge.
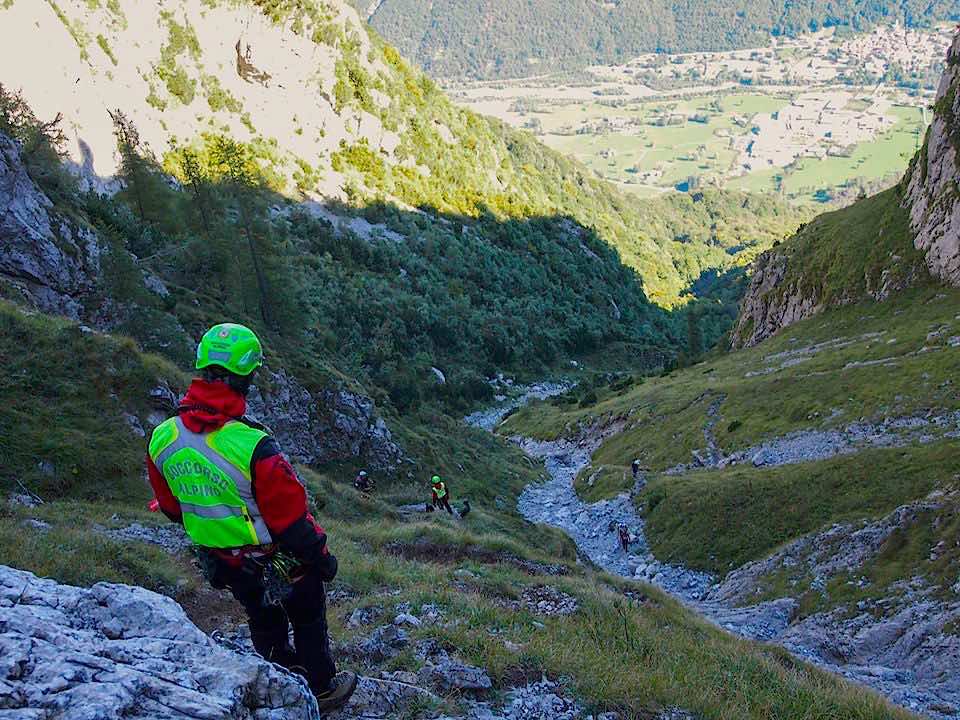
(443, 502)
(305, 610)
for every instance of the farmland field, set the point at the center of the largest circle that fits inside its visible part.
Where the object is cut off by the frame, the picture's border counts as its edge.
(817, 119)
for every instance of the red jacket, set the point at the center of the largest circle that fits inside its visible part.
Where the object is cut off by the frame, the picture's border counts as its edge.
(282, 499)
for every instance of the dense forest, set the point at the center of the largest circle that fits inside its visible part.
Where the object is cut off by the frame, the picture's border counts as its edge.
(493, 39)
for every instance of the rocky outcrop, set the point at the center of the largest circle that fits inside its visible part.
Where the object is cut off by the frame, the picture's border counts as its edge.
(932, 195)
(331, 425)
(116, 651)
(769, 306)
(898, 641)
(50, 261)
(841, 549)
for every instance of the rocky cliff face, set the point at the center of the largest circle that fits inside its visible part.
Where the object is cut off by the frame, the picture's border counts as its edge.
(274, 76)
(46, 260)
(768, 306)
(932, 192)
(333, 425)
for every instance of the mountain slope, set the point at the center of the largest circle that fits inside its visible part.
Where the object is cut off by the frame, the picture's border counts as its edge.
(505, 596)
(491, 40)
(332, 114)
(813, 476)
(380, 328)
(812, 471)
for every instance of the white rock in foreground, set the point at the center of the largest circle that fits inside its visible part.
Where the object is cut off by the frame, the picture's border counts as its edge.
(116, 651)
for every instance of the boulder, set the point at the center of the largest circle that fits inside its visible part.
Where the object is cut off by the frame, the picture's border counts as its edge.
(447, 673)
(331, 425)
(382, 699)
(116, 651)
(383, 643)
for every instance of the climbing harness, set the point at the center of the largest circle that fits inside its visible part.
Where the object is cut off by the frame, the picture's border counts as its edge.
(276, 574)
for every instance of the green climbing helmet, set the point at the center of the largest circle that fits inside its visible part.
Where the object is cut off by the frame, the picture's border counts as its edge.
(436, 479)
(233, 347)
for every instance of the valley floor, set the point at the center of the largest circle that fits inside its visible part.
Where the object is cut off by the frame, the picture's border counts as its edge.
(801, 492)
(818, 639)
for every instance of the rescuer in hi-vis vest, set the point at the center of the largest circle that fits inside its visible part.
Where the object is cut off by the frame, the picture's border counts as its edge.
(226, 481)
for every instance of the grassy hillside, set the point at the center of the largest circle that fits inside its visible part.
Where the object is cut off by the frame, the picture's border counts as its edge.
(496, 39)
(686, 663)
(853, 252)
(500, 260)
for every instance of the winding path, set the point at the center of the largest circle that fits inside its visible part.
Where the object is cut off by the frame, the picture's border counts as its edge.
(592, 526)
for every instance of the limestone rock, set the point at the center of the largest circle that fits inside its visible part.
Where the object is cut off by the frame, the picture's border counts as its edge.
(330, 425)
(449, 674)
(767, 306)
(383, 643)
(381, 699)
(931, 194)
(116, 651)
(51, 260)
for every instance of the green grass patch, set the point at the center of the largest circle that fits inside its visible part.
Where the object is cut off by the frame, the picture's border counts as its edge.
(600, 483)
(859, 361)
(62, 425)
(715, 520)
(107, 50)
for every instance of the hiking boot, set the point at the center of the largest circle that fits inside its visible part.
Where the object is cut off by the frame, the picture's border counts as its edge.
(338, 693)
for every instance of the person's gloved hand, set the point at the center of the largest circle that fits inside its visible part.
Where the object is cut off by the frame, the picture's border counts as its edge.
(321, 558)
(326, 566)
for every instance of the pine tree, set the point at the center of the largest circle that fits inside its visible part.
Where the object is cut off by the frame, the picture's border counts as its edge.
(133, 164)
(694, 338)
(242, 178)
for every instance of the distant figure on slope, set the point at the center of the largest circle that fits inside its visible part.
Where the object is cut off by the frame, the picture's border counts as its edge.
(465, 510)
(225, 479)
(624, 537)
(441, 496)
(635, 467)
(362, 482)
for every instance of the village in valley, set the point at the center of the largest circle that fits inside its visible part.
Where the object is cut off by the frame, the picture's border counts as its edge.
(823, 117)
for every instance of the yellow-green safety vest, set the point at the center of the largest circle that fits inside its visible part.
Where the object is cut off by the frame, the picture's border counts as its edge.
(209, 474)
(440, 490)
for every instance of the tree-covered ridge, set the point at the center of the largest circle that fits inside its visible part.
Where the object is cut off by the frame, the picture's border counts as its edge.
(455, 161)
(508, 38)
(471, 298)
(328, 109)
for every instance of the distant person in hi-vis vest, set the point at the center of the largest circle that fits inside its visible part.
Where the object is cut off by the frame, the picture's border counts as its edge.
(441, 496)
(224, 478)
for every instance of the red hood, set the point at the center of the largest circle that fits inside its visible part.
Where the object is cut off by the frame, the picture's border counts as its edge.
(208, 406)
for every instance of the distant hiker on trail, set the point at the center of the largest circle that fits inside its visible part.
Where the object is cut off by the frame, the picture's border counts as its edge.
(441, 496)
(224, 478)
(624, 537)
(635, 467)
(362, 482)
